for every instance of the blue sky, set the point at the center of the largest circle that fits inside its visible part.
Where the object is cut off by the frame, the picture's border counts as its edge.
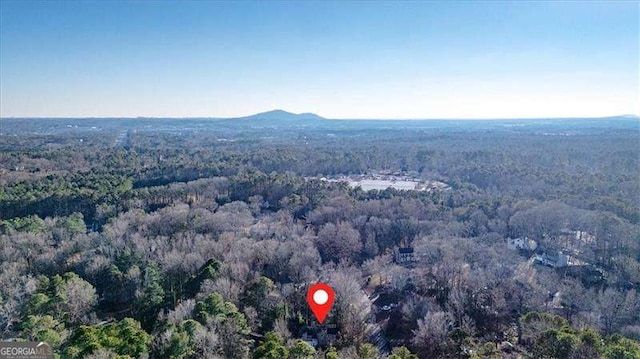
(338, 59)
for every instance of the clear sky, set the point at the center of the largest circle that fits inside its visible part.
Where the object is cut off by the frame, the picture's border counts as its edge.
(337, 59)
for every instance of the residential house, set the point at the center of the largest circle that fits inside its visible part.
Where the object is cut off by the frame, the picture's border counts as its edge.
(522, 243)
(405, 255)
(557, 261)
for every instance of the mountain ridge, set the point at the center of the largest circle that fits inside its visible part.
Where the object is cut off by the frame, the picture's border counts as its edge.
(278, 114)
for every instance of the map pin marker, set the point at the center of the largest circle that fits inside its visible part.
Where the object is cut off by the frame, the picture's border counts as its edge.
(320, 298)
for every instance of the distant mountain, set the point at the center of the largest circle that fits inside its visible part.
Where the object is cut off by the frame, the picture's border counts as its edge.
(279, 115)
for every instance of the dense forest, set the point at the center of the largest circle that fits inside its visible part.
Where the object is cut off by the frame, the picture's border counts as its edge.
(196, 238)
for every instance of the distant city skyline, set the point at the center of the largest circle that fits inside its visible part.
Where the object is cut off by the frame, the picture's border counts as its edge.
(379, 60)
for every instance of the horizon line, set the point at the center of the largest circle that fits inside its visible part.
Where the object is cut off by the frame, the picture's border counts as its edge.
(629, 115)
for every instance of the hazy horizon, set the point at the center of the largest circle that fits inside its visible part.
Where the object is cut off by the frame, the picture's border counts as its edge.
(627, 115)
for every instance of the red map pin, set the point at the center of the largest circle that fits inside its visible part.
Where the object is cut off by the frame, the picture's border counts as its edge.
(320, 298)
